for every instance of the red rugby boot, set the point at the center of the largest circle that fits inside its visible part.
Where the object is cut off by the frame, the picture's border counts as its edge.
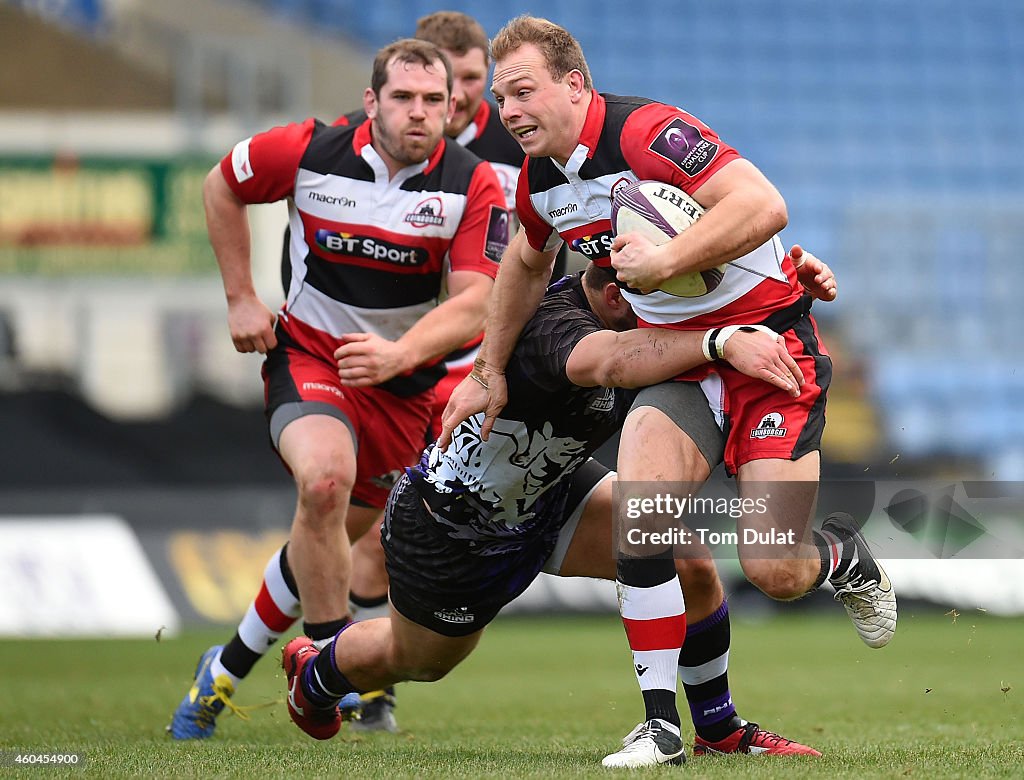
(318, 722)
(751, 738)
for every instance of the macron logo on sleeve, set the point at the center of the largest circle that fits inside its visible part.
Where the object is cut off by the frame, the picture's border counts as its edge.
(240, 161)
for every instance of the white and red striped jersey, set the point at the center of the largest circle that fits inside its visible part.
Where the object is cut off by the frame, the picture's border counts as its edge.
(486, 137)
(627, 139)
(367, 252)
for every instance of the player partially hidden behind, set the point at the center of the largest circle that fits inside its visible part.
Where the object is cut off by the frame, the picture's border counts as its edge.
(376, 211)
(473, 524)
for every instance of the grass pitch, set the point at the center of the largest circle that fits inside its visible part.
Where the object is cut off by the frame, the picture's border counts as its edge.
(547, 698)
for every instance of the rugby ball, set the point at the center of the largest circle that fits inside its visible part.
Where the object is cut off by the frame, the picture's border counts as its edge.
(659, 212)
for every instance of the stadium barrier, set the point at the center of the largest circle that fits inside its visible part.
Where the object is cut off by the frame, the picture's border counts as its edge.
(146, 561)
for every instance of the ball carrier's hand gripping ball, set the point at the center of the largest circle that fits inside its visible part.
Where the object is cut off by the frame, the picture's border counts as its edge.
(659, 211)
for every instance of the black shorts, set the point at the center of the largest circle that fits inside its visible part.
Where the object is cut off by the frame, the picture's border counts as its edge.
(456, 586)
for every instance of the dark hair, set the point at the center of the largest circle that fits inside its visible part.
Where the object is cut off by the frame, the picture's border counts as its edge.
(457, 32)
(597, 276)
(561, 51)
(408, 50)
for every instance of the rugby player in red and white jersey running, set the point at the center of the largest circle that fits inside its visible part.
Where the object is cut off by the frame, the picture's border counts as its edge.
(582, 146)
(474, 125)
(376, 211)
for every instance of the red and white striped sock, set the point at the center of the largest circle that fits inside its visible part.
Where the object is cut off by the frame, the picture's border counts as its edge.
(655, 622)
(274, 611)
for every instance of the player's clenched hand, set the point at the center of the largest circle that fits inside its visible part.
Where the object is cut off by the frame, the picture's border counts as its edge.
(251, 325)
(816, 277)
(758, 355)
(471, 397)
(638, 262)
(368, 359)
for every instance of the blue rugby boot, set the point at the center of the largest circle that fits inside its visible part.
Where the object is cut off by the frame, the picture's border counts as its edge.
(196, 716)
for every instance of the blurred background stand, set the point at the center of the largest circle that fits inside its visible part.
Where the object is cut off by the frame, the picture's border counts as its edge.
(892, 130)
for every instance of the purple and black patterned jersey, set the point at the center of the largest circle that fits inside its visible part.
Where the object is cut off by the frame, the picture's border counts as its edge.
(512, 485)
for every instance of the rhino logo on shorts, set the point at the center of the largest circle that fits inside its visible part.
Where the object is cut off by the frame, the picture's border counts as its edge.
(461, 615)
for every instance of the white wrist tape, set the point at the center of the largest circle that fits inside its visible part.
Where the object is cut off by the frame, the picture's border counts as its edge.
(705, 344)
(714, 340)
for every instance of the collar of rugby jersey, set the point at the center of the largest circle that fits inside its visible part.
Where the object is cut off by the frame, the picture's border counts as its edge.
(476, 127)
(363, 138)
(594, 123)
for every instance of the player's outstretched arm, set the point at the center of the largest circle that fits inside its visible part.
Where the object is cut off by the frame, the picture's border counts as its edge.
(250, 321)
(647, 356)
